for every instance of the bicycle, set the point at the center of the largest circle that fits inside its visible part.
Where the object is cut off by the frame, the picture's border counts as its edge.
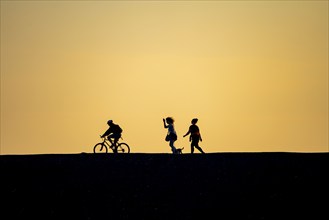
(103, 147)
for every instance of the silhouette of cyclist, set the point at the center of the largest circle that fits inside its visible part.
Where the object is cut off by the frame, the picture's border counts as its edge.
(114, 131)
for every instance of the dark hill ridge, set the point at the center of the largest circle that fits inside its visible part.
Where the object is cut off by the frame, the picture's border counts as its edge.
(165, 186)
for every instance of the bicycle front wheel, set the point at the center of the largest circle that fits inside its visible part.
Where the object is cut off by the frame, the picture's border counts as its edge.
(100, 148)
(123, 148)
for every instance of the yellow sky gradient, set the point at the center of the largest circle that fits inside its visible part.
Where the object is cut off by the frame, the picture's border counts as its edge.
(255, 73)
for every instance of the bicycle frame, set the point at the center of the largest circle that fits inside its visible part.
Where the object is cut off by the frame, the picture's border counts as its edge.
(109, 143)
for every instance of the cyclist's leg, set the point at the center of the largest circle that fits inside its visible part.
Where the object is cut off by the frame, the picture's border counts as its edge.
(116, 139)
(115, 143)
(109, 137)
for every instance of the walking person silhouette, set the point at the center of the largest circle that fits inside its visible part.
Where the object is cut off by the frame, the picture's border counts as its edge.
(171, 135)
(195, 136)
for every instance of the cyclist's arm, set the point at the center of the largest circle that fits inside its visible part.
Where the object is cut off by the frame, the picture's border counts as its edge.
(106, 133)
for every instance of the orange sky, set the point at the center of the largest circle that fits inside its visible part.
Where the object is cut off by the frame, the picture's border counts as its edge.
(255, 73)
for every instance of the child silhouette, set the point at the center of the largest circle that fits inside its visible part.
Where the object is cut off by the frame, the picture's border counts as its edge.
(171, 135)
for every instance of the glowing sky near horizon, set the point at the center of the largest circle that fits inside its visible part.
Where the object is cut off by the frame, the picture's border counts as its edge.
(255, 73)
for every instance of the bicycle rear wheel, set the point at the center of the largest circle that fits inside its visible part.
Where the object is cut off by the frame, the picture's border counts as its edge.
(123, 148)
(100, 148)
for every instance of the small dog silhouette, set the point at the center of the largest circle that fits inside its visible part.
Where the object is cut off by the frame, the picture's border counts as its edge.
(179, 150)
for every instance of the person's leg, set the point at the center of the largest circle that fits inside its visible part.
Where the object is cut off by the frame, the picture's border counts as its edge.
(114, 140)
(198, 147)
(110, 139)
(173, 148)
(194, 144)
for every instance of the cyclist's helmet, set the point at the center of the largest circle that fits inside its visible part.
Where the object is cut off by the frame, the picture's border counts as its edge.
(109, 122)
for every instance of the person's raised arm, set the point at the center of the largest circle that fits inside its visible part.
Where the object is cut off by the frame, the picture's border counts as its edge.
(164, 123)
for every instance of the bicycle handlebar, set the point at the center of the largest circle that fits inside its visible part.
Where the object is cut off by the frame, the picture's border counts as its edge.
(111, 137)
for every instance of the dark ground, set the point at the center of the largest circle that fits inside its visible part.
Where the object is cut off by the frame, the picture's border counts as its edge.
(163, 186)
